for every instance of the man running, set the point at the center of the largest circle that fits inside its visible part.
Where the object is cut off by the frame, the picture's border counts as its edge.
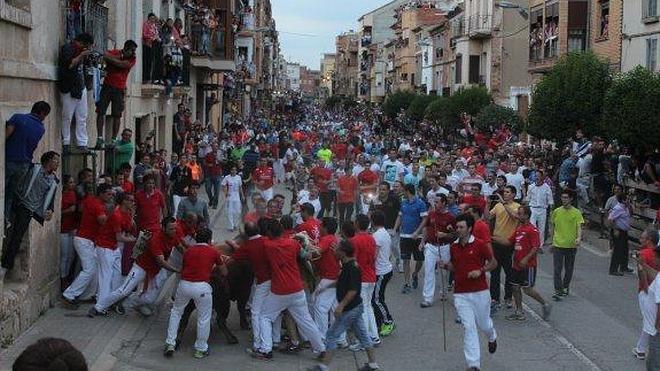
(410, 224)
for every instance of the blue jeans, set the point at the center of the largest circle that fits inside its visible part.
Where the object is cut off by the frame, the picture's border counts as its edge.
(349, 319)
(14, 173)
(212, 185)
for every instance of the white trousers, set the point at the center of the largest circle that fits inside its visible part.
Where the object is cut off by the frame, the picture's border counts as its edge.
(67, 253)
(324, 302)
(296, 304)
(267, 194)
(233, 212)
(396, 250)
(88, 261)
(473, 308)
(368, 315)
(259, 294)
(74, 107)
(109, 272)
(132, 280)
(154, 289)
(432, 255)
(202, 294)
(538, 218)
(649, 311)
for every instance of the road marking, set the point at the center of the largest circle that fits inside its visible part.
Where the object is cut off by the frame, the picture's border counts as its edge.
(594, 250)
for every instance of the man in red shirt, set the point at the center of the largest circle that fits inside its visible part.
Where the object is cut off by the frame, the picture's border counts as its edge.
(470, 260)
(348, 193)
(198, 264)
(322, 177)
(119, 64)
(151, 266)
(310, 224)
(324, 298)
(440, 231)
(150, 205)
(368, 186)
(109, 236)
(475, 198)
(646, 259)
(263, 178)
(526, 242)
(94, 214)
(286, 292)
(365, 255)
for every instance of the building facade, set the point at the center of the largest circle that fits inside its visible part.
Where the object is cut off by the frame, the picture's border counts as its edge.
(641, 32)
(293, 76)
(327, 74)
(310, 82)
(346, 64)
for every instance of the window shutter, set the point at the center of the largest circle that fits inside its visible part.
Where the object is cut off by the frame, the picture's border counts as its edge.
(645, 8)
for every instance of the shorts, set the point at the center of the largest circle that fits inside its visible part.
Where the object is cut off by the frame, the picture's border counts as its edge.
(523, 278)
(410, 248)
(114, 96)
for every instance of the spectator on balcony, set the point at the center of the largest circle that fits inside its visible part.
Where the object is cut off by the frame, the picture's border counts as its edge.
(71, 85)
(179, 129)
(196, 31)
(150, 47)
(186, 48)
(171, 73)
(207, 20)
(119, 64)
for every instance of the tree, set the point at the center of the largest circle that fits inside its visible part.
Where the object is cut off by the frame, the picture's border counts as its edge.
(397, 101)
(447, 110)
(493, 115)
(437, 111)
(418, 106)
(332, 102)
(632, 109)
(570, 96)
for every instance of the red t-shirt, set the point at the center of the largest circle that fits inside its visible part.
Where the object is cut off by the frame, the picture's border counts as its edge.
(438, 221)
(149, 209)
(481, 230)
(185, 230)
(92, 208)
(107, 233)
(347, 188)
(69, 221)
(472, 256)
(340, 150)
(321, 177)
(253, 252)
(524, 239)
(159, 244)
(114, 76)
(327, 266)
(478, 201)
(647, 255)
(251, 217)
(213, 167)
(265, 175)
(312, 226)
(127, 186)
(368, 178)
(365, 255)
(199, 261)
(282, 254)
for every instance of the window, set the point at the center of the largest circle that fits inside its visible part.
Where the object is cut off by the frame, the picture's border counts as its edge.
(459, 69)
(404, 77)
(536, 35)
(473, 72)
(551, 30)
(604, 14)
(650, 9)
(652, 53)
(576, 40)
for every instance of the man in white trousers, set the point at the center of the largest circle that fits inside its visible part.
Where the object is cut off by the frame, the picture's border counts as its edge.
(324, 298)
(365, 255)
(109, 244)
(439, 232)
(71, 84)
(539, 198)
(470, 260)
(94, 214)
(252, 251)
(199, 261)
(151, 265)
(233, 186)
(286, 292)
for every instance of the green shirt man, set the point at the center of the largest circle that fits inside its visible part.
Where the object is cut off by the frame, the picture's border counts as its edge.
(124, 149)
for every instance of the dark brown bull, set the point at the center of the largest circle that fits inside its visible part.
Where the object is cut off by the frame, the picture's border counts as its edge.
(235, 287)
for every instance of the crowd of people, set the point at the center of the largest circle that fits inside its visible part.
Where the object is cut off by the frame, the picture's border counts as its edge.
(369, 198)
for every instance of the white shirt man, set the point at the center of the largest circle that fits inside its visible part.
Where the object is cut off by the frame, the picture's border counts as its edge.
(488, 189)
(232, 184)
(516, 179)
(539, 198)
(392, 170)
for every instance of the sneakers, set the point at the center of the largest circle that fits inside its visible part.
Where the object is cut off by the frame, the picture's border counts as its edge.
(119, 309)
(145, 310)
(515, 317)
(415, 282)
(356, 347)
(639, 355)
(366, 367)
(425, 304)
(564, 292)
(199, 354)
(406, 289)
(92, 312)
(375, 342)
(547, 308)
(386, 329)
(492, 346)
(169, 350)
(69, 304)
(260, 355)
(557, 296)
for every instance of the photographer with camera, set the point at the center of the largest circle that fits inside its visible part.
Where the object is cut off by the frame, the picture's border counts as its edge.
(71, 85)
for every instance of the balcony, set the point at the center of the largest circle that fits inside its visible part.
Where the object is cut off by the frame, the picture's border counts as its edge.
(211, 48)
(479, 26)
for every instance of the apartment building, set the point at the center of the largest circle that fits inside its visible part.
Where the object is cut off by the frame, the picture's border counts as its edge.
(293, 76)
(641, 32)
(327, 74)
(605, 30)
(346, 64)
(310, 82)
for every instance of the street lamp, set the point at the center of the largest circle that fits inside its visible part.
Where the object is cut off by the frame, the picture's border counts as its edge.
(509, 5)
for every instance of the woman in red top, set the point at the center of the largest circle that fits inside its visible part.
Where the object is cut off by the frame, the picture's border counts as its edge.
(69, 225)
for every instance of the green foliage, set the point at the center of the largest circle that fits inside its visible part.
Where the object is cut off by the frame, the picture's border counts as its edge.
(438, 111)
(494, 115)
(570, 96)
(446, 111)
(397, 101)
(333, 102)
(418, 106)
(632, 109)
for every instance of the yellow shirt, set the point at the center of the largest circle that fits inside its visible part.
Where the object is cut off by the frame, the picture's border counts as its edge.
(505, 225)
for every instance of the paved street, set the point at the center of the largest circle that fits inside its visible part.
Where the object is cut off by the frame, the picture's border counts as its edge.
(592, 329)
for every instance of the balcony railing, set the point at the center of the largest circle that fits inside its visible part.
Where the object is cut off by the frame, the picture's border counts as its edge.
(479, 25)
(458, 27)
(214, 39)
